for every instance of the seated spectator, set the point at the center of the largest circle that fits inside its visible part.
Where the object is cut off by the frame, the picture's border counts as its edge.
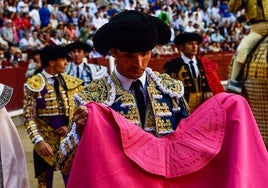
(26, 21)
(4, 62)
(205, 48)
(13, 55)
(3, 43)
(189, 28)
(157, 51)
(54, 38)
(215, 47)
(53, 20)
(35, 41)
(25, 42)
(34, 65)
(225, 47)
(217, 37)
(35, 17)
(94, 54)
(111, 10)
(72, 32)
(8, 33)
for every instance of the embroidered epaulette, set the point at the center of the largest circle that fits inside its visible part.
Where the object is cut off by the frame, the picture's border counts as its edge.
(97, 90)
(35, 83)
(71, 81)
(97, 71)
(171, 85)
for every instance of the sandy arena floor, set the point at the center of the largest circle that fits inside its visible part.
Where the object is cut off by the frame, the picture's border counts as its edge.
(28, 149)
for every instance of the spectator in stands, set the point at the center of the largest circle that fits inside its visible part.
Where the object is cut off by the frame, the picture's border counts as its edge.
(131, 5)
(34, 65)
(79, 65)
(111, 11)
(84, 31)
(224, 29)
(98, 21)
(163, 14)
(71, 30)
(225, 47)
(183, 22)
(48, 107)
(233, 46)
(45, 39)
(17, 22)
(190, 27)
(217, 37)
(94, 6)
(205, 48)
(4, 61)
(226, 15)
(35, 17)
(197, 73)
(94, 54)
(54, 38)
(53, 20)
(69, 13)
(2, 57)
(174, 22)
(23, 6)
(12, 6)
(8, 33)
(61, 14)
(14, 55)
(3, 43)
(35, 41)
(25, 43)
(197, 19)
(26, 21)
(82, 20)
(13, 166)
(44, 14)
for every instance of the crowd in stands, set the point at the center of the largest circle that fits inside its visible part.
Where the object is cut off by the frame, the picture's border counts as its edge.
(27, 25)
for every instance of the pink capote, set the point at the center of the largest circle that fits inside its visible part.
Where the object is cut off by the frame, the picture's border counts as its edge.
(15, 174)
(219, 145)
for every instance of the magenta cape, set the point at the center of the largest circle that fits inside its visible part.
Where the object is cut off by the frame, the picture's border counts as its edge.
(219, 145)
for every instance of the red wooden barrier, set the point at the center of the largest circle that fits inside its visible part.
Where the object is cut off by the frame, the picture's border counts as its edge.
(15, 78)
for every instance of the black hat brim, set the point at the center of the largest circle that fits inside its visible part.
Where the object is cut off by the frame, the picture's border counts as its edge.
(185, 37)
(79, 45)
(131, 31)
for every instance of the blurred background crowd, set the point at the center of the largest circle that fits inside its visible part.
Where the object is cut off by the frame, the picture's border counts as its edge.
(28, 25)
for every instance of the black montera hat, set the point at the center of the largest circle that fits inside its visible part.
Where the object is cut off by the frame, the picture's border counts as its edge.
(79, 45)
(52, 52)
(187, 37)
(5, 95)
(131, 31)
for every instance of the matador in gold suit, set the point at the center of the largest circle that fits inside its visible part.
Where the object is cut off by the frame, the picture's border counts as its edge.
(257, 15)
(48, 109)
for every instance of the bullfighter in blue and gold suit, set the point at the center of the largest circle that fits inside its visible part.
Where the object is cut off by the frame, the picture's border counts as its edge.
(79, 65)
(48, 107)
(164, 103)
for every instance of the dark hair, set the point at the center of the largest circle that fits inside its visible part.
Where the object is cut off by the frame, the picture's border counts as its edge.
(52, 52)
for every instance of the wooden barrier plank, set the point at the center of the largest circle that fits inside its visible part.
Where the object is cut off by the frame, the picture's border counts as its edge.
(15, 78)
